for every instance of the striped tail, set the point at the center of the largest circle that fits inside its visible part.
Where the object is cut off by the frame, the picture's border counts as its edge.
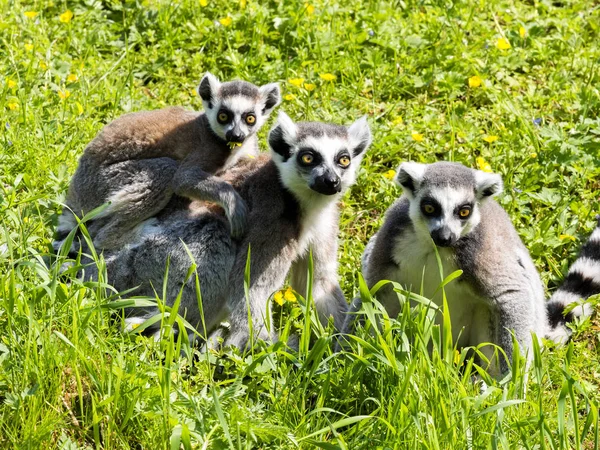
(582, 281)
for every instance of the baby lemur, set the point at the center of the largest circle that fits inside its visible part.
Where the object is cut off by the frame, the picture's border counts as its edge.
(138, 161)
(292, 199)
(449, 206)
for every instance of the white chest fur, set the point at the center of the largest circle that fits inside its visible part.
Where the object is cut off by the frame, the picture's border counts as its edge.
(418, 271)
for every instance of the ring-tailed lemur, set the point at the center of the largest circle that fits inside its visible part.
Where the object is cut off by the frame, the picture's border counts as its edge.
(292, 199)
(582, 281)
(450, 205)
(138, 161)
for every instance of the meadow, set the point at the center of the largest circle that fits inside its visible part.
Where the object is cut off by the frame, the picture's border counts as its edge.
(506, 86)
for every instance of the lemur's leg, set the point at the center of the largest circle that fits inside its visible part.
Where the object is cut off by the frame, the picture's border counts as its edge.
(515, 314)
(194, 183)
(327, 294)
(270, 262)
(144, 189)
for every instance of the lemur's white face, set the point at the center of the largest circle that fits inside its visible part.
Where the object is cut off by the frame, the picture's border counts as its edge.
(318, 158)
(445, 198)
(237, 109)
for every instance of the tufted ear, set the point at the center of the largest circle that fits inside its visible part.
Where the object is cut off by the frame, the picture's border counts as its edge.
(410, 175)
(282, 136)
(208, 88)
(487, 184)
(359, 134)
(270, 97)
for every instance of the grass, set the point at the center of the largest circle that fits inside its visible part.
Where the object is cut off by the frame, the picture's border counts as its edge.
(69, 378)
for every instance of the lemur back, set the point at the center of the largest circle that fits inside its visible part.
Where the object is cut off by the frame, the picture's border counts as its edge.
(137, 162)
(449, 206)
(292, 200)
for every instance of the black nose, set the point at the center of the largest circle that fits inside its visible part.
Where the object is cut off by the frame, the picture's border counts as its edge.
(442, 237)
(327, 185)
(332, 182)
(234, 137)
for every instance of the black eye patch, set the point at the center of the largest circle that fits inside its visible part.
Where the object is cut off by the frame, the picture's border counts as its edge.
(307, 157)
(463, 211)
(224, 116)
(430, 207)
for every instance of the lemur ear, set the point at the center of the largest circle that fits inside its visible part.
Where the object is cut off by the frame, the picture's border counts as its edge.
(208, 88)
(270, 96)
(282, 136)
(410, 175)
(487, 184)
(360, 136)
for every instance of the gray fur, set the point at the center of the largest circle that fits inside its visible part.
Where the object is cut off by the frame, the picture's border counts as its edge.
(137, 162)
(286, 220)
(500, 291)
(582, 281)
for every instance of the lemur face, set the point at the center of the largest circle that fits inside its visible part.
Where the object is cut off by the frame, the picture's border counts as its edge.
(237, 109)
(315, 157)
(445, 198)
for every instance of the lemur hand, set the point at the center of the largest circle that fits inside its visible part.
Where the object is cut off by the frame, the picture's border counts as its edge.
(237, 214)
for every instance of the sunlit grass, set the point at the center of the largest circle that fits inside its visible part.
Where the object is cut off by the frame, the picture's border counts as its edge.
(437, 81)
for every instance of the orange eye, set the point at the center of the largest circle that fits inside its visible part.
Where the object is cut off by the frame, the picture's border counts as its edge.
(250, 119)
(429, 209)
(307, 158)
(464, 213)
(223, 117)
(344, 161)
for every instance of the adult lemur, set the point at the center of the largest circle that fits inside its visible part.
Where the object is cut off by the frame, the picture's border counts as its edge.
(449, 206)
(292, 199)
(138, 161)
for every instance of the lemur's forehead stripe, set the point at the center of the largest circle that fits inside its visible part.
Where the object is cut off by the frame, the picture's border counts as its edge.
(239, 88)
(449, 174)
(318, 129)
(449, 196)
(239, 103)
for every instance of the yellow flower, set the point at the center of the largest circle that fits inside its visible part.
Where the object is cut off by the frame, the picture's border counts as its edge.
(310, 87)
(416, 136)
(533, 155)
(503, 44)
(474, 81)
(289, 97)
(72, 78)
(203, 2)
(29, 47)
(13, 105)
(193, 92)
(398, 121)
(289, 295)
(328, 76)
(490, 139)
(522, 32)
(30, 14)
(243, 4)
(64, 94)
(563, 237)
(226, 21)
(66, 16)
(79, 108)
(11, 83)
(296, 81)
(483, 165)
(43, 65)
(390, 174)
(310, 9)
(278, 297)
